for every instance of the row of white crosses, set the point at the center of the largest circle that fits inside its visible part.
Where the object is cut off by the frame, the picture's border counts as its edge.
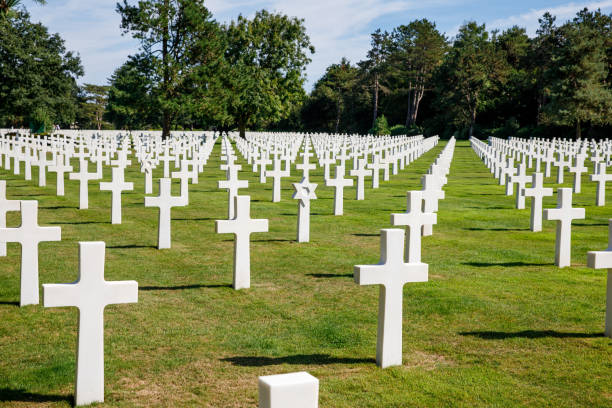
(280, 150)
(564, 214)
(400, 263)
(560, 153)
(90, 293)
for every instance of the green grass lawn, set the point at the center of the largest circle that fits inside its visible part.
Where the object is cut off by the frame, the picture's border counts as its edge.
(496, 325)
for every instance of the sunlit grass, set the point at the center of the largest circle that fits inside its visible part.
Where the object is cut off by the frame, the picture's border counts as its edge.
(497, 324)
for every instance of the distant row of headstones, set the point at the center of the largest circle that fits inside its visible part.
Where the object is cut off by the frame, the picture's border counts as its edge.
(91, 293)
(500, 156)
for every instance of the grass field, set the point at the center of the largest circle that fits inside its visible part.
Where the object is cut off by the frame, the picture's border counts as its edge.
(496, 325)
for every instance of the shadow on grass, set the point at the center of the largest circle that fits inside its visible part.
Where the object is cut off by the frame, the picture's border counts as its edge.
(529, 334)
(226, 285)
(8, 303)
(194, 219)
(272, 240)
(78, 222)
(495, 229)
(320, 359)
(506, 264)
(330, 275)
(7, 394)
(491, 208)
(130, 246)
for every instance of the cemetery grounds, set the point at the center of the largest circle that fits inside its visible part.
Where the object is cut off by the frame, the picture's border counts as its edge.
(496, 325)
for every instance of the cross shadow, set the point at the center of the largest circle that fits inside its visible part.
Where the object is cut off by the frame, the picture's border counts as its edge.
(495, 229)
(301, 359)
(130, 246)
(272, 240)
(507, 264)
(8, 394)
(491, 208)
(9, 303)
(194, 219)
(366, 235)
(330, 275)
(529, 334)
(580, 224)
(184, 287)
(77, 222)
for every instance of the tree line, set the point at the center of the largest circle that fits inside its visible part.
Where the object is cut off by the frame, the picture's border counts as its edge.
(192, 72)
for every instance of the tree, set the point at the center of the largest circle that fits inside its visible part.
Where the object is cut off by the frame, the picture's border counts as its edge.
(7, 7)
(132, 97)
(374, 65)
(36, 73)
(93, 105)
(416, 50)
(336, 85)
(469, 74)
(580, 67)
(182, 43)
(262, 78)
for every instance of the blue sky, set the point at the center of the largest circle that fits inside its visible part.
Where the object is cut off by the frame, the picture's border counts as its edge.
(337, 28)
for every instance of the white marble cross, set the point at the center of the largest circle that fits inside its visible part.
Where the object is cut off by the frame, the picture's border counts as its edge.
(29, 234)
(521, 179)
(339, 183)
(601, 177)
(304, 192)
(83, 176)
(6, 206)
(116, 187)
(42, 164)
(361, 172)
(414, 219)
(561, 165)
(60, 168)
(537, 192)
(578, 169)
(146, 167)
(392, 273)
(375, 166)
(294, 390)
(90, 294)
(232, 184)
(184, 175)
(277, 173)
(164, 201)
(242, 226)
(432, 192)
(603, 260)
(306, 166)
(564, 214)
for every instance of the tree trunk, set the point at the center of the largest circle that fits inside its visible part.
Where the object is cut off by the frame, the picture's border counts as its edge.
(472, 122)
(409, 112)
(375, 113)
(166, 77)
(337, 116)
(242, 129)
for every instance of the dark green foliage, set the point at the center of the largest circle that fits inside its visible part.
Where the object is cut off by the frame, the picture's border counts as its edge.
(37, 74)
(181, 46)
(133, 96)
(555, 84)
(381, 127)
(262, 79)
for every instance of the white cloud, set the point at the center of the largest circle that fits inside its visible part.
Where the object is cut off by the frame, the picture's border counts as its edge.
(563, 13)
